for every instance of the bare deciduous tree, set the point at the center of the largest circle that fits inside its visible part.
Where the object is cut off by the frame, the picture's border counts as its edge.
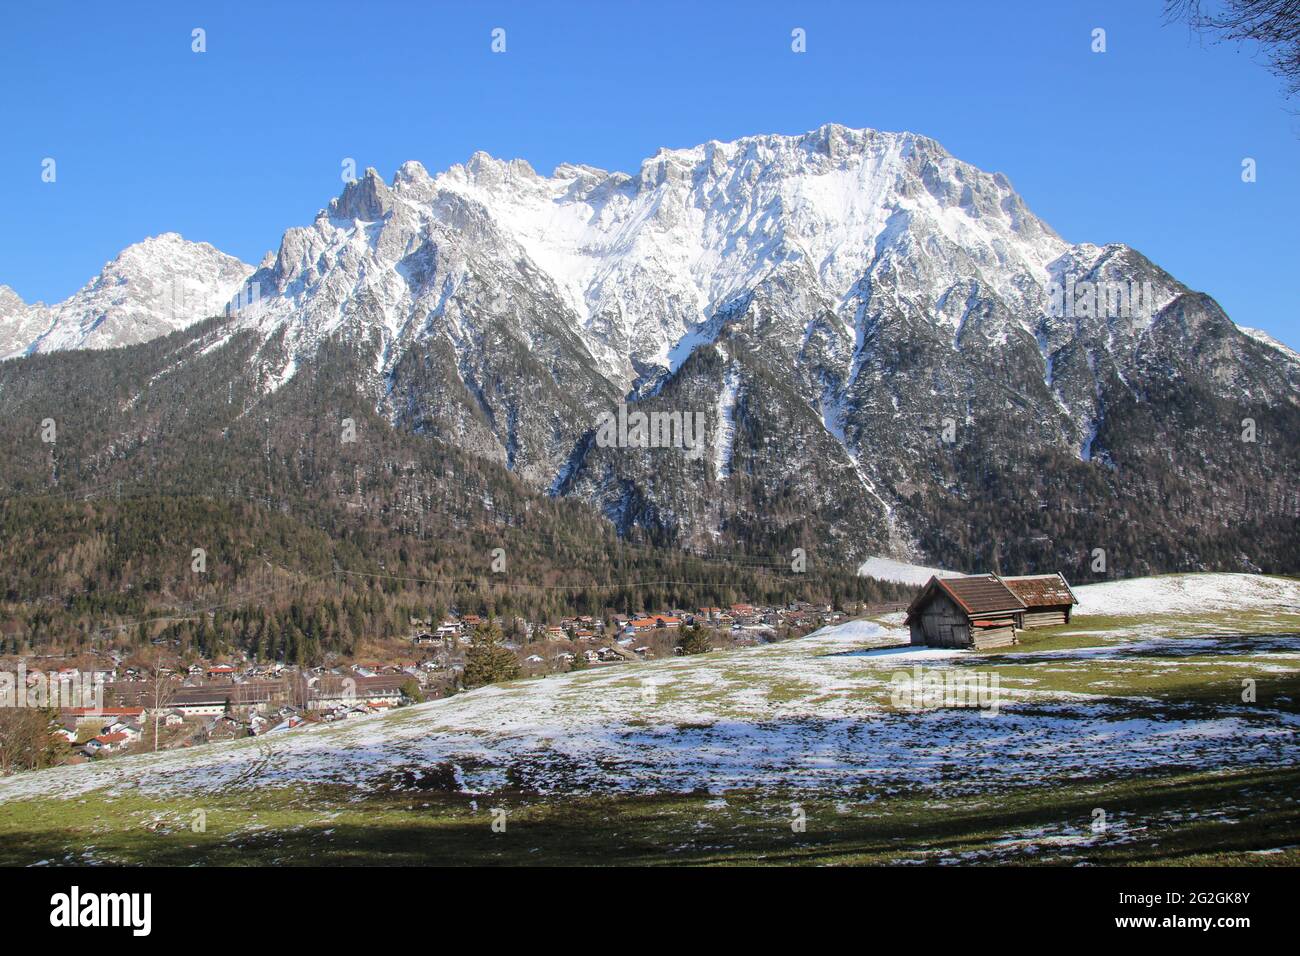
(160, 694)
(1273, 24)
(26, 739)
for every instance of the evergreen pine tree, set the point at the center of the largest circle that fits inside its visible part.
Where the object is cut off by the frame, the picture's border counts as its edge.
(487, 662)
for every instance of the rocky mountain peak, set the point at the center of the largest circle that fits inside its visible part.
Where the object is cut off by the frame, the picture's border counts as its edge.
(152, 287)
(366, 199)
(10, 301)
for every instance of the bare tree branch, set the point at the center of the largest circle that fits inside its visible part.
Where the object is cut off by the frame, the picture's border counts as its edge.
(1273, 24)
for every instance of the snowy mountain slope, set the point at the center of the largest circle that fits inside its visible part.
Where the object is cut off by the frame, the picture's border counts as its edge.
(465, 338)
(646, 260)
(151, 288)
(1259, 335)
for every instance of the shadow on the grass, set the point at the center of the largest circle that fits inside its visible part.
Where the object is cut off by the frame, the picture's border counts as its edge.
(1155, 821)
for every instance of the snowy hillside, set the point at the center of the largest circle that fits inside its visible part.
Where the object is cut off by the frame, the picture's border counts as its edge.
(888, 569)
(1189, 594)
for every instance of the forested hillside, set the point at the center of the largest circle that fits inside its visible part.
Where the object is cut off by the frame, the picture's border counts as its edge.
(310, 543)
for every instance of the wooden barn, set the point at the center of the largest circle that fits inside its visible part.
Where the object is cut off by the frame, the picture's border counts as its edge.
(1047, 598)
(986, 610)
(977, 611)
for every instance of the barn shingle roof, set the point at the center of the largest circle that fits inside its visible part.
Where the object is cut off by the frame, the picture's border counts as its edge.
(1041, 590)
(981, 594)
(976, 595)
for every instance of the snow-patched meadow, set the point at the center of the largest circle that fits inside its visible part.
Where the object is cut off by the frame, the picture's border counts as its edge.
(818, 713)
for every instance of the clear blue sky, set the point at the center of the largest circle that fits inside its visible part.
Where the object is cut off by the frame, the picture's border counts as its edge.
(1142, 144)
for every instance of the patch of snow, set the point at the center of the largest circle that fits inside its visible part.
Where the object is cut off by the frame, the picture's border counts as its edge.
(725, 416)
(900, 572)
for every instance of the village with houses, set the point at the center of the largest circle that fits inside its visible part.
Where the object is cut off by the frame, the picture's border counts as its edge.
(156, 701)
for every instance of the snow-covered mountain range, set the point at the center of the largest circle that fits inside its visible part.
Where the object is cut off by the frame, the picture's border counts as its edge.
(871, 327)
(643, 266)
(151, 288)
